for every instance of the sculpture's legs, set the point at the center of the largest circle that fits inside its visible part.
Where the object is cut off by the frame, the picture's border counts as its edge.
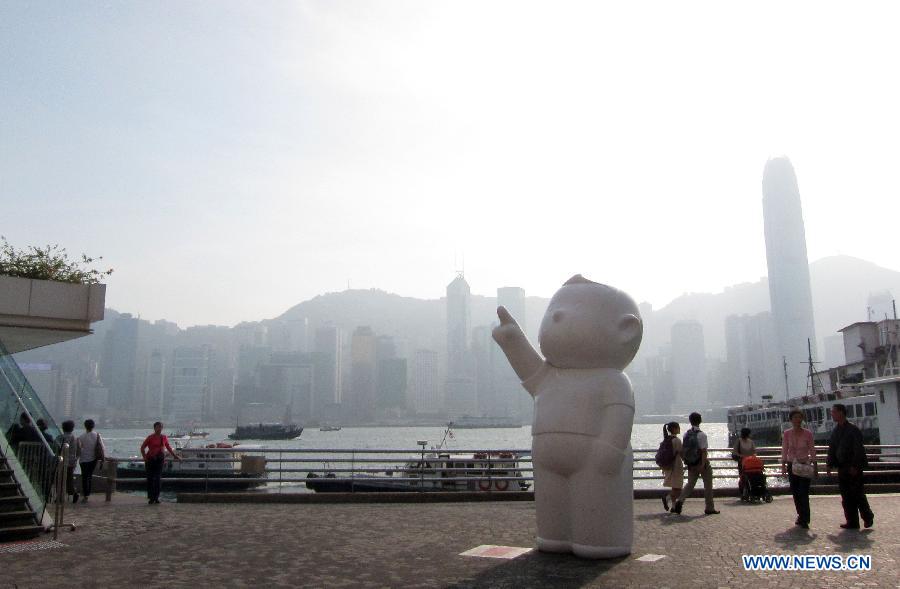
(602, 512)
(551, 498)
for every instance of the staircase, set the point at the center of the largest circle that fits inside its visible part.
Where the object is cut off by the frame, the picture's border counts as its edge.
(17, 520)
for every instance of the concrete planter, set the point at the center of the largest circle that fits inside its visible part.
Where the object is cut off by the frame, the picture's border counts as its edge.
(34, 313)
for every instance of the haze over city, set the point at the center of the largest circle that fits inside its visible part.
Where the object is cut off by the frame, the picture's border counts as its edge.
(231, 163)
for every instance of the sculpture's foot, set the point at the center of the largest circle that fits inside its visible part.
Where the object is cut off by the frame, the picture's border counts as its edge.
(553, 545)
(583, 551)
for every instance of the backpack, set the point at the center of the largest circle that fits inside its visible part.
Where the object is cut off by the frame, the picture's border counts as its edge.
(690, 451)
(665, 455)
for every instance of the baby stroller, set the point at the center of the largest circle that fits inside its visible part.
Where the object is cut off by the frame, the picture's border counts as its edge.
(753, 479)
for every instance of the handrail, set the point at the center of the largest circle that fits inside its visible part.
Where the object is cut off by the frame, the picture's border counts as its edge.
(60, 486)
(407, 468)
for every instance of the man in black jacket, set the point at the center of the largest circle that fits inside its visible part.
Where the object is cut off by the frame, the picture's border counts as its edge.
(847, 453)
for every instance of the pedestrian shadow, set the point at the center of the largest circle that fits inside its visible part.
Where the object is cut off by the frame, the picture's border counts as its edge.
(849, 540)
(796, 536)
(540, 569)
(652, 516)
(680, 518)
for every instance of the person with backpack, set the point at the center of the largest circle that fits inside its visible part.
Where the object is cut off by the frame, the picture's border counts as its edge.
(694, 453)
(668, 458)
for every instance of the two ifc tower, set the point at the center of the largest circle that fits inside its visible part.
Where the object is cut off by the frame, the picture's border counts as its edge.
(790, 295)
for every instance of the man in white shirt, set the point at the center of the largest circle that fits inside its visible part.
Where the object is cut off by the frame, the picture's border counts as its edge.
(701, 468)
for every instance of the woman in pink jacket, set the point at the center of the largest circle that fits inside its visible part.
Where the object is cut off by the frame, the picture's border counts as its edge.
(798, 447)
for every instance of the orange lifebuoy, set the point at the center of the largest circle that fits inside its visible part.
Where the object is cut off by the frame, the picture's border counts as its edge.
(484, 485)
(502, 485)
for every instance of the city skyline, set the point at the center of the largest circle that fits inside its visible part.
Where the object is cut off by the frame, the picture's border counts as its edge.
(230, 163)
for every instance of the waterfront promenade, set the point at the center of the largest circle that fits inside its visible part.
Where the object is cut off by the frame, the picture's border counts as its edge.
(127, 543)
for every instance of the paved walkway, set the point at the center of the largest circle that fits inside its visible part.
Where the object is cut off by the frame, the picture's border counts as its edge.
(130, 544)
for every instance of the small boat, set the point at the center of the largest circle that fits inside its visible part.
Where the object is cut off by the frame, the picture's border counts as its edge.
(330, 428)
(206, 468)
(189, 435)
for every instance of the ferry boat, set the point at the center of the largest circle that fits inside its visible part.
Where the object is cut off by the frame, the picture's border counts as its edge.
(266, 431)
(213, 463)
(870, 349)
(767, 420)
(469, 422)
(436, 470)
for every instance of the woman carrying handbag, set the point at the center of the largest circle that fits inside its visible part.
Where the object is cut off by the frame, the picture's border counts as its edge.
(798, 461)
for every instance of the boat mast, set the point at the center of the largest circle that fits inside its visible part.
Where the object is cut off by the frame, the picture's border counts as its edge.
(811, 376)
(749, 390)
(787, 392)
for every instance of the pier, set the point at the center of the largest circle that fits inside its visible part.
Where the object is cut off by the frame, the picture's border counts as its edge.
(126, 543)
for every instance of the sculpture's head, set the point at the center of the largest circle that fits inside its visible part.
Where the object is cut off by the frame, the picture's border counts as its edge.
(590, 325)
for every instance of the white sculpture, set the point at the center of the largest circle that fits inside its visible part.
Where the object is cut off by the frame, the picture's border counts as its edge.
(583, 413)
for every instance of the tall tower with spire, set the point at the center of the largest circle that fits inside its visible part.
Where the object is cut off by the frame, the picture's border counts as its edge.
(461, 396)
(790, 295)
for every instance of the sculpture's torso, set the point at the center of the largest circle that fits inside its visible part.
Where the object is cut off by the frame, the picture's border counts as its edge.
(571, 400)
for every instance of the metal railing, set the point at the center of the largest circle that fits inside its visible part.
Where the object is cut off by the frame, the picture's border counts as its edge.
(415, 470)
(61, 490)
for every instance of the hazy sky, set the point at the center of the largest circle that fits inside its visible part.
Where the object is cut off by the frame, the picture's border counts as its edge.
(231, 159)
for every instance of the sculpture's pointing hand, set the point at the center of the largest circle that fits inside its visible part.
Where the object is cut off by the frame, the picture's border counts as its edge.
(508, 328)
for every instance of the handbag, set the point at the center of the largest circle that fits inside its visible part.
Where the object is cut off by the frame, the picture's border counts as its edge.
(98, 450)
(803, 469)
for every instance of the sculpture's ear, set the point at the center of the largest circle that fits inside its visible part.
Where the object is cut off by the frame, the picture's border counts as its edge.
(630, 329)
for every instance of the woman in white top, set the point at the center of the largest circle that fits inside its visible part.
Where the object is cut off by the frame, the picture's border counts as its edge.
(90, 452)
(674, 476)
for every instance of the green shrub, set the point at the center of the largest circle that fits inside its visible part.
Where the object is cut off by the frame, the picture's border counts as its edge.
(48, 263)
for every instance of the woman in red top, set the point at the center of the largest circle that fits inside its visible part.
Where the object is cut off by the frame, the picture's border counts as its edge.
(153, 451)
(798, 447)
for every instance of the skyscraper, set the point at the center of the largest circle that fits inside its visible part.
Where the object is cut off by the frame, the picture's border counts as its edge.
(329, 370)
(363, 354)
(119, 362)
(789, 292)
(688, 364)
(190, 383)
(461, 394)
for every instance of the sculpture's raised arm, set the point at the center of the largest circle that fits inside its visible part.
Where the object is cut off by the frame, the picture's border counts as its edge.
(522, 356)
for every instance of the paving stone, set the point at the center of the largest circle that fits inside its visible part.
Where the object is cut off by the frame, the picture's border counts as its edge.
(129, 544)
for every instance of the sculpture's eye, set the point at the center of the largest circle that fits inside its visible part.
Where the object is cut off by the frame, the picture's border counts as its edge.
(557, 316)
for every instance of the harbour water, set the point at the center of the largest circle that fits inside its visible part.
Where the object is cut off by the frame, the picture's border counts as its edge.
(125, 443)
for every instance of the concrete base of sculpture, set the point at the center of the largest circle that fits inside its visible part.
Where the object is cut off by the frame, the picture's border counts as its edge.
(583, 413)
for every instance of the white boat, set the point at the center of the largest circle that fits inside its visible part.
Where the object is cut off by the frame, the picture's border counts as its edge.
(203, 467)
(189, 435)
(434, 470)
